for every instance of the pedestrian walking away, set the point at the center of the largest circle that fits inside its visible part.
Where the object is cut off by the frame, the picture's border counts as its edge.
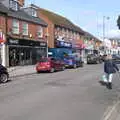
(110, 68)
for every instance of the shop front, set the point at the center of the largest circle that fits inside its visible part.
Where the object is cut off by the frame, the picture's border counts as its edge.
(25, 52)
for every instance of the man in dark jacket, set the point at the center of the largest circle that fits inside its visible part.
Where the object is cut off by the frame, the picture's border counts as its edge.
(110, 68)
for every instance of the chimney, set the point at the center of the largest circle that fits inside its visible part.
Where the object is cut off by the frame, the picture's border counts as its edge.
(21, 2)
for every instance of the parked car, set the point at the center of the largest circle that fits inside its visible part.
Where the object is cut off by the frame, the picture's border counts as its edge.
(73, 62)
(94, 59)
(103, 57)
(116, 58)
(4, 75)
(50, 64)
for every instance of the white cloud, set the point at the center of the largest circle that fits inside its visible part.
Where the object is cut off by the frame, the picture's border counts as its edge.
(114, 33)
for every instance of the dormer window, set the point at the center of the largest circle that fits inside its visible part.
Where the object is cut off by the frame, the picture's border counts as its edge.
(13, 5)
(33, 12)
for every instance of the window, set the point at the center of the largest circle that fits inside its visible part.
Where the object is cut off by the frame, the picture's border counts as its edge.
(58, 29)
(67, 32)
(74, 35)
(40, 32)
(25, 29)
(13, 5)
(15, 27)
(78, 36)
(33, 12)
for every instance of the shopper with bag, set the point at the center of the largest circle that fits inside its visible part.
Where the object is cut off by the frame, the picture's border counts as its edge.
(109, 68)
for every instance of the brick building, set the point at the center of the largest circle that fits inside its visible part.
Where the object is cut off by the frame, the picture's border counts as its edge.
(59, 29)
(92, 44)
(25, 36)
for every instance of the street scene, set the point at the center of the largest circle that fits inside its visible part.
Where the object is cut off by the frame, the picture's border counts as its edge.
(72, 94)
(59, 62)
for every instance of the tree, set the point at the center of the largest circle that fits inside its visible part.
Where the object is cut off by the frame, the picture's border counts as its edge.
(118, 22)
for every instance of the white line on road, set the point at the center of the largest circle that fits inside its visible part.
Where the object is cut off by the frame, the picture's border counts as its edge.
(111, 111)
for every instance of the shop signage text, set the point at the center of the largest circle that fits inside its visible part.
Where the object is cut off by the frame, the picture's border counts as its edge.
(64, 44)
(27, 43)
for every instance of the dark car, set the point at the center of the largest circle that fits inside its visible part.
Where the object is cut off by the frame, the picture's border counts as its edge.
(94, 59)
(4, 75)
(116, 58)
(73, 61)
(50, 64)
(103, 57)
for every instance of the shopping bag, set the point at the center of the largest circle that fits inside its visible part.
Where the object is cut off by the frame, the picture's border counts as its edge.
(104, 78)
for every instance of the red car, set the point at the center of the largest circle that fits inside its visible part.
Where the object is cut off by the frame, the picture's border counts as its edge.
(50, 64)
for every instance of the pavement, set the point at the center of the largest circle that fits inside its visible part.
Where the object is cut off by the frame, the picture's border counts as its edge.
(73, 94)
(21, 70)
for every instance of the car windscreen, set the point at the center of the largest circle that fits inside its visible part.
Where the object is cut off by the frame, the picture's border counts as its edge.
(43, 60)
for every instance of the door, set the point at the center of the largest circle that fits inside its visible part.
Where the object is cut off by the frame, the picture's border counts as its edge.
(57, 62)
(54, 63)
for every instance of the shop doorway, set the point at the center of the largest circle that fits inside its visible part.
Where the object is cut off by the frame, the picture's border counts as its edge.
(25, 55)
(20, 56)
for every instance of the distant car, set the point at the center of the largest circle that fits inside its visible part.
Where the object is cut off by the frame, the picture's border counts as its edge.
(103, 57)
(50, 65)
(93, 59)
(116, 58)
(72, 62)
(4, 75)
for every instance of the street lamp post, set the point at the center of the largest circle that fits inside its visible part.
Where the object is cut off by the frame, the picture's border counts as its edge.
(104, 31)
(46, 36)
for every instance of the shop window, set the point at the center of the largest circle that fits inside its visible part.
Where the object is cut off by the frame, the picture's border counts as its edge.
(15, 27)
(25, 29)
(13, 5)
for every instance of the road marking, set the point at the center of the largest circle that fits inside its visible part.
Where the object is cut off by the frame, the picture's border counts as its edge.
(110, 111)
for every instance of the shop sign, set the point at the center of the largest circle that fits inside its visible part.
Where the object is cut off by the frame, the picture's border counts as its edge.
(60, 38)
(14, 42)
(64, 44)
(22, 42)
(79, 46)
(43, 44)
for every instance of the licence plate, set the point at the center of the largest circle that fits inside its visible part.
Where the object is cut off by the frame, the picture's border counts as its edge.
(42, 67)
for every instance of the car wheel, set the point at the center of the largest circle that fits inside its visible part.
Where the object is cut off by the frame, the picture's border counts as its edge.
(52, 70)
(38, 72)
(75, 66)
(4, 78)
(81, 65)
(97, 62)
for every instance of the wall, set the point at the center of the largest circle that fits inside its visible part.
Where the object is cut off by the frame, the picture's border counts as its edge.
(32, 29)
(49, 30)
(2, 23)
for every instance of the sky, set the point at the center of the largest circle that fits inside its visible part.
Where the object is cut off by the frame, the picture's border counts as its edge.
(87, 14)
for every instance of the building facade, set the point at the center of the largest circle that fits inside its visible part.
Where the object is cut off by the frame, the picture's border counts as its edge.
(3, 13)
(25, 36)
(61, 32)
